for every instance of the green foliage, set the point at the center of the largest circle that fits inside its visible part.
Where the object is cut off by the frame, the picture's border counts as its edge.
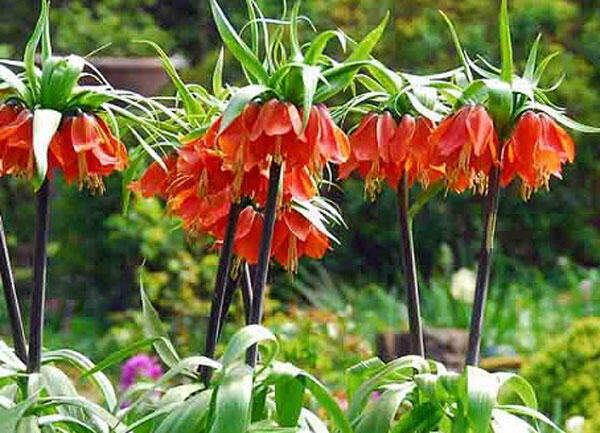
(565, 373)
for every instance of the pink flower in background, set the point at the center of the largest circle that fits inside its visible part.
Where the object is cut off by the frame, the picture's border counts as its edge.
(139, 367)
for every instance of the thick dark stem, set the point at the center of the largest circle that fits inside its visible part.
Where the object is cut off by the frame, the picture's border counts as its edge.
(262, 268)
(484, 268)
(410, 270)
(247, 291)
(40, 262)
(230, 288)
(12, 300)
(216, 310)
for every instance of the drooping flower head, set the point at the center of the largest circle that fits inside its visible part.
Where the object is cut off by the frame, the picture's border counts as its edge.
(224, 156)
(504, 124)
(386, 150)
(535, 152)
(392, 141)
(48, 123)
(466, 145)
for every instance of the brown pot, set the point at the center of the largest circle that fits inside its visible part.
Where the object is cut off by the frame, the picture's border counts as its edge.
(145, 76)
(447, 346)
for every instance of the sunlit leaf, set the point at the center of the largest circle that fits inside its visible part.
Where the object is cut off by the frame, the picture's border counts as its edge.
(45, 125)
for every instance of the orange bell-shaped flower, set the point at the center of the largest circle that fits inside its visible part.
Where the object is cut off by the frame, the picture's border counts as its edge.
(536, 151)
(86, 150)
(466, 145)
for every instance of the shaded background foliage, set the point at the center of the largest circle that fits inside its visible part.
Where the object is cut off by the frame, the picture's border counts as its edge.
(96, 251)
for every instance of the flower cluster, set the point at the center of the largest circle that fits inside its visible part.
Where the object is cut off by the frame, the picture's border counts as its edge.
(461, 150)
(208, 174)
(84, 149)
(383, 149)
(139, 367)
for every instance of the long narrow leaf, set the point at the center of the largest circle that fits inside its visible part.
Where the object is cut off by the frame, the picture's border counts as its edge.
(505, 44)
(237, 46)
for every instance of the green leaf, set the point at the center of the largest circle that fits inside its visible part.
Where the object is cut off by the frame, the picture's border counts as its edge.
(529, 72)
(401, 370)
(154, 417)
(28, 425)
(217, 79)
(192, 107)
(312, 422)
(238, 102)
(391, 81)
(422, 419)
(9, 418)
(232, 403)
(14, 82)
(310, 80)
(180, 393)
(362, 51)
(423, 198)
(317, 46)
(253, 25)
(46, 43)
(542, 67)
(475, 93)
(8, 357)
(92, 408)
(59, 77)
(188, 417)
(121, 355)
(458, 47)
(479, 396)
(57, 384)
(153, 328)
(31, 48)
(513, 385)
(531, 413)
(422, 109)
(504, 422)
(247, 337)
(506, 50)
(296, 51)
(72, 424)
(289, 396)
(564, 120)
(358, 373)
(379, 417)
(84, 364)
(237, 46)
(45, 125)
(146, 146)
(327, 402)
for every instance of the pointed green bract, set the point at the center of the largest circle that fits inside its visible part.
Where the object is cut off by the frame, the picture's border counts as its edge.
(217, 80)
(505, 44)
(316, 48)
(529, 72)
(458, 47)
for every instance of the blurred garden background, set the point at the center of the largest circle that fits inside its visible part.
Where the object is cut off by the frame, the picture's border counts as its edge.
(547, 270)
